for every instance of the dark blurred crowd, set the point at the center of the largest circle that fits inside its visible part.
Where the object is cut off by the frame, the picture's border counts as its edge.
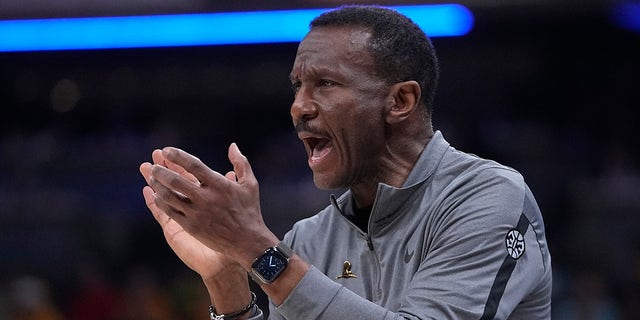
(93, 297)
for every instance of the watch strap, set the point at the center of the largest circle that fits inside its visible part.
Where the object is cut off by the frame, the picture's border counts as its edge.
(284, 249)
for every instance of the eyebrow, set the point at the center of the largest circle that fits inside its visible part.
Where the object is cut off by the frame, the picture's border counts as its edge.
(312, 71)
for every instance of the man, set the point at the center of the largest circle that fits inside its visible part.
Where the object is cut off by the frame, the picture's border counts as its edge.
(423, 232)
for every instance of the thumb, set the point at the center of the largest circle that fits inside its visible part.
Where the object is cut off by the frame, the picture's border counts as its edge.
(241, 165)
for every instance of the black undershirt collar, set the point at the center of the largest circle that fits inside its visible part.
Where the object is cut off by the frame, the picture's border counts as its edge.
(360, 216)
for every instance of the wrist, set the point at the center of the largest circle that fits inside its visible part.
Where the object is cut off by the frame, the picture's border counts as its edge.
(229, 289)
(227, 272)
(279, 290)
(267, 267)
(248, 256)
(247, 311)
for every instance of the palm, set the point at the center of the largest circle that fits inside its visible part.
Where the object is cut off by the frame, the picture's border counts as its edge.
(192, 252)
(200, 258)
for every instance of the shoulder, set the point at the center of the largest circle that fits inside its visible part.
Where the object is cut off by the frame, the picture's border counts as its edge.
(468, 193)
(470, 174)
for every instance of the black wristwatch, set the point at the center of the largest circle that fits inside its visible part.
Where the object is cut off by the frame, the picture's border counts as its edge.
(266, 268)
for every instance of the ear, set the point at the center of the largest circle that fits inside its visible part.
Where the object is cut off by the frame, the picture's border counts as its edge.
(402, 101)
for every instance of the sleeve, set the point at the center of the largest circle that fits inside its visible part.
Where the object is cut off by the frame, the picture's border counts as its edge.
(483, 259)
(319, 297)
(467, 271)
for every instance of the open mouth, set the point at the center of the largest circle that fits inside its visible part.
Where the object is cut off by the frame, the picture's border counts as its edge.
(318, 148)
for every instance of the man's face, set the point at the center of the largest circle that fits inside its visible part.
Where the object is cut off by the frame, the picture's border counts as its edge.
(338, 107)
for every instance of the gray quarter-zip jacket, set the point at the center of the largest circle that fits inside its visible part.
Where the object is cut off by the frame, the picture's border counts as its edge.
(463, 238)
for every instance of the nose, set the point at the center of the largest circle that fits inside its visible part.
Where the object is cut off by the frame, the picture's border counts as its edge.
(303, 107)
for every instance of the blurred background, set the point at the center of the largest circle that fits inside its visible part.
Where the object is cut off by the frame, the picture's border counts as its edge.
(550, 88)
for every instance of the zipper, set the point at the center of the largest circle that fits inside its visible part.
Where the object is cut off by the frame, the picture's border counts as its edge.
(377, 273)
(369, 242)
(377, 293)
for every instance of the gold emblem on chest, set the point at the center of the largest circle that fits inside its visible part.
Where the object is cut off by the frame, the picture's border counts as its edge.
(346, 271)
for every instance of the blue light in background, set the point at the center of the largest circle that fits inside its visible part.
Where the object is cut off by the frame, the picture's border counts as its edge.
(627, 15)
(200, 29)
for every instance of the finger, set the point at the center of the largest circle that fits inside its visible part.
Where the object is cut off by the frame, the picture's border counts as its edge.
(174, 181)
(241, 165)
(160, 210)
(157, 157)
(145, 170)
(161, 216)
(172, 192)
(231, 176)
(180, 170)
(150, 201)
(193, 165)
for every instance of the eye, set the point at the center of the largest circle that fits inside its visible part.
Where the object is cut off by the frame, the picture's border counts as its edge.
(295, 86)
(326, 83)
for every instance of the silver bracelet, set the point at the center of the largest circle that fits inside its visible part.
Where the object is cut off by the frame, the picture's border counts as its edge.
(233, 315)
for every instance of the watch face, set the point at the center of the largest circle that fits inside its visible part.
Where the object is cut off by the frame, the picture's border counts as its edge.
(270, 265)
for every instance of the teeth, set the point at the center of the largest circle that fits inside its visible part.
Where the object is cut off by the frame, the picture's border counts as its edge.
(320, 149)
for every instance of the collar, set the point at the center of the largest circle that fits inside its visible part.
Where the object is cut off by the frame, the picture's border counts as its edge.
(389, 200)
